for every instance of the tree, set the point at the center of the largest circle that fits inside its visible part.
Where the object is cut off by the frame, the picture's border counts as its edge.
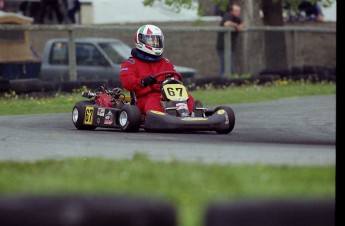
(178, 4)
(275, 45)
(275, 54)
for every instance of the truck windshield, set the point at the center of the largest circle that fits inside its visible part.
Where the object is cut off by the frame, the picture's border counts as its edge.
(116, 51)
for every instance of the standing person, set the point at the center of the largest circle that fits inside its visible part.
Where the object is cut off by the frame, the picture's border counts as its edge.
(312, 10)
(147, 60)
(2, 4)
(73, 6)
(230, 19)
(53, 6)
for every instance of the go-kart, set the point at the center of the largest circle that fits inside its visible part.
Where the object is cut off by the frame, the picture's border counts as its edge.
(110, 108)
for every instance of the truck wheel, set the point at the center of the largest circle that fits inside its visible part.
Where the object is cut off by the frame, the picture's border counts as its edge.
(231, 117)
(130, 118)
(78, 115)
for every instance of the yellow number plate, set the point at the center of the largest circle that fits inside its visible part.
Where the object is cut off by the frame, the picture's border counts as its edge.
(175, 92)
(88, 115)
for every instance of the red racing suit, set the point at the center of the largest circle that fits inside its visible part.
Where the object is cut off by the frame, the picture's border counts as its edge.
(133, 70)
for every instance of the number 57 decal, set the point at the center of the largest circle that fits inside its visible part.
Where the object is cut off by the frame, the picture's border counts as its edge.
(88, 115)
(175, 92)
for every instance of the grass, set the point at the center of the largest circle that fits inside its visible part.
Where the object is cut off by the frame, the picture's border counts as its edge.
(254, 93)
(14, 105)
(28, 105)
(188, 186)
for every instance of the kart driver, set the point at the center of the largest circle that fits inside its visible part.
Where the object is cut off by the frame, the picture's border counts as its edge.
(137, 72)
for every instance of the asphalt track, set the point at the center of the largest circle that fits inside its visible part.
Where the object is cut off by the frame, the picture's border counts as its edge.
(294, 131)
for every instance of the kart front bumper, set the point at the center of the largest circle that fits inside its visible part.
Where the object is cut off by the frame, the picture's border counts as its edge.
(158, 121)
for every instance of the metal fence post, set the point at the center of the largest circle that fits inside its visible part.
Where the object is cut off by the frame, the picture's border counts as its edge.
(293, 62)
(294, 46)
(227, 52)
(72, 55)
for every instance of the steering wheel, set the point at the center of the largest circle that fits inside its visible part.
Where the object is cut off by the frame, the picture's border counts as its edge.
(179, 76)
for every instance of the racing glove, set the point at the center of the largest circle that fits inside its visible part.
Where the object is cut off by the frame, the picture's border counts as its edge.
(148, 80)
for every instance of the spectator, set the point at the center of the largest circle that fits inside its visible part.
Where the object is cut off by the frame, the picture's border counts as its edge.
(23, 7)
(311, 10)
(230, 19)
(53, 6)
(28, 8)
(73, 6)
(2, 4)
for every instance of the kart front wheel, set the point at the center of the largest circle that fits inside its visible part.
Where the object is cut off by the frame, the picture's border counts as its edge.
(231, 119)
(78, 115)
(130, 118)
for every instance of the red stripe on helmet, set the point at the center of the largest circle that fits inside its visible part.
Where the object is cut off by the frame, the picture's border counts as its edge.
(149, 32)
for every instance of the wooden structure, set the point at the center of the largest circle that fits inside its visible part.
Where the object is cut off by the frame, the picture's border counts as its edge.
(15, 44)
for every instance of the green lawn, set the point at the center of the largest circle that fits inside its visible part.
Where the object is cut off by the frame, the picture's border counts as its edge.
(189, 187)
(209, 97)
(253, 93)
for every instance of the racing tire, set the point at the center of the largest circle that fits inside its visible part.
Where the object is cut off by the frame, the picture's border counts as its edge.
(78, 115)
(4, 85)
(48, 86)
(93, 84)
(26, 85)
(231, 117)
(129, 118)
(69, 86)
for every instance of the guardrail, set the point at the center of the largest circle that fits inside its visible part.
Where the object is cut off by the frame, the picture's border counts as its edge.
(71, 29)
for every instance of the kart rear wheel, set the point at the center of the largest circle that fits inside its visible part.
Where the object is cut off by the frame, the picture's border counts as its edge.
(130, 118)
(231, 118)
(78, 115)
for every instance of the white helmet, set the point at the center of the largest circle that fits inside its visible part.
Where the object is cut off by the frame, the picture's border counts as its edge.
(150, 39)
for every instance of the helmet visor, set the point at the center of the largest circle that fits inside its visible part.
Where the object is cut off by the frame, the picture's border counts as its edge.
(154, 41)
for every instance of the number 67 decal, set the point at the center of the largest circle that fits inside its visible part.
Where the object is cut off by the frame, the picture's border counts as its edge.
(175, 92)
